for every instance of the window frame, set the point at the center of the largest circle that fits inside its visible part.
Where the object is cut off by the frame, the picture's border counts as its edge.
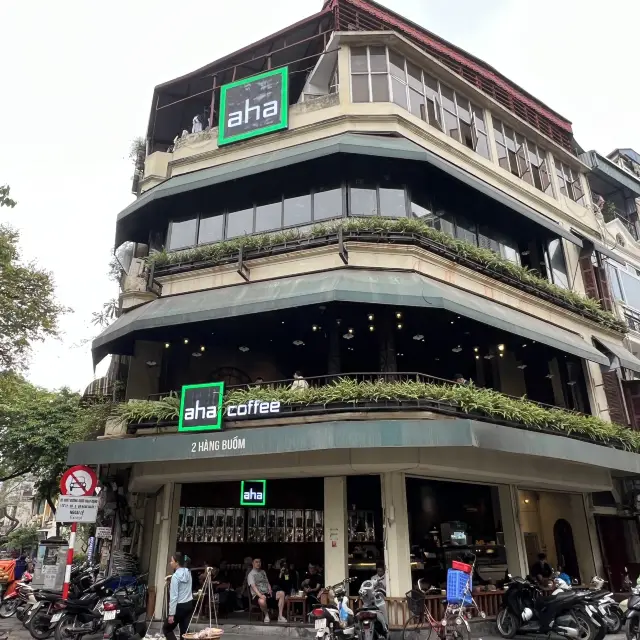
(567, 178)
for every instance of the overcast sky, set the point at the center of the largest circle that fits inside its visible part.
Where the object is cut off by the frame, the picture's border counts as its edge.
(77, 79)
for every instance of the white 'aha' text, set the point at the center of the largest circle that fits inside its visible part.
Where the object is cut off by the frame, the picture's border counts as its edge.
(207, 446)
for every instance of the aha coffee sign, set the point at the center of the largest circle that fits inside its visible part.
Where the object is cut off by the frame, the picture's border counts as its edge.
(253, 493)
(254, 106)
(201, 407)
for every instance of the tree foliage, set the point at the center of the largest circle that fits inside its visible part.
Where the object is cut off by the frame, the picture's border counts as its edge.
(22, 538)
(28, 308)
(36, 428)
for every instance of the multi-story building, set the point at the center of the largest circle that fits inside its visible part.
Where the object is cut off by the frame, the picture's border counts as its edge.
(358, 200)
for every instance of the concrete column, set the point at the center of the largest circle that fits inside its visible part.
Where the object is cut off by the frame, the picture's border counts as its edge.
(162, 524)
(513, 540)
(344, 78)
(396, 533)
(335, 530)
(144, 379)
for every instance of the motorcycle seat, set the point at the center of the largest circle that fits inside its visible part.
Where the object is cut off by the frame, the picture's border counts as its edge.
(560, 597)
(48, 596)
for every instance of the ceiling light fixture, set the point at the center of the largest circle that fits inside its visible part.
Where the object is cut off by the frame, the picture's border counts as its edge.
(477, 357)
(522, 366)
(502, 355)
(457, 349)
(500, 347)
(399, 325)
(525, 344)
(202, 347)
(452, 322)
(370, 316)
(549, 375)
(195, 354)
(243, 349)
(186, 340)
(418, 337)
(166, 345)
(151, 363)
(475, 349)
(371, 328)
(350, 330)
(347, 336)
(314, 327)
(399, 315)
(489, 356)
(298, 343)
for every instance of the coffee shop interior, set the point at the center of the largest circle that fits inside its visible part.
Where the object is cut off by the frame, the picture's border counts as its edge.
(215, 529)
(342, 338)
(455, 521)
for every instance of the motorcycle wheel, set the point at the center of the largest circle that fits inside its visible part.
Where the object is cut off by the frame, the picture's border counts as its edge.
(61, 631)
(8, 607)
(632, 628)
(416, 629)
(40, 625)
(614, 623)
(455, 631)
(587, 630)
(507, 623)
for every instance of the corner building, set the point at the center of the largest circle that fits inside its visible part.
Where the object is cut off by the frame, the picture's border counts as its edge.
(356, 199)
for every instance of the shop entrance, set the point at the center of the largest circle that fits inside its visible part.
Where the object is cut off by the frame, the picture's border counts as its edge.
(620, 544)
(450, 520)
(555, 524)
(228, 524)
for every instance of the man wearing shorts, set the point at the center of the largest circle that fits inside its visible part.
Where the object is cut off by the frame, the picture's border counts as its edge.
(261, 591)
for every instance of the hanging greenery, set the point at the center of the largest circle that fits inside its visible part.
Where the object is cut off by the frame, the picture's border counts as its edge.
(217, 252)
(470, 399)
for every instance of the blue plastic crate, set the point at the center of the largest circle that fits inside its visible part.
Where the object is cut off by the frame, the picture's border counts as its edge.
(458, 587)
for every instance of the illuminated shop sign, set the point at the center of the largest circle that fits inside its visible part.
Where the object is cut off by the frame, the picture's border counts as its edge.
(253, 493)
(254, 106)
(201, 407)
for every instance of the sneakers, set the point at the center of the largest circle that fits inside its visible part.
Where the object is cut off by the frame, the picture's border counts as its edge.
(282, 619)
(267, 618)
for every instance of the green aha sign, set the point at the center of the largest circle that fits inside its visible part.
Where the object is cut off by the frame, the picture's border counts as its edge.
(253, 493)
(254, 106)
(201, 407)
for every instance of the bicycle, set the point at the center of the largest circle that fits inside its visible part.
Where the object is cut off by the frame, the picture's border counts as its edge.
(421, 619)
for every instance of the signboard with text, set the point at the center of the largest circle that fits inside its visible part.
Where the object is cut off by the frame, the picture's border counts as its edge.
(253, 493)
(201, 407)
(77, 509)
(254, 106)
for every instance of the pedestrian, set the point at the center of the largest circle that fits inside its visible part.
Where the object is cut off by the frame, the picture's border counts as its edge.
(180, 597)
(299, 382)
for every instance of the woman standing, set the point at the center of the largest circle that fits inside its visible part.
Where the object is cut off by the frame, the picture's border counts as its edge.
(180, 597)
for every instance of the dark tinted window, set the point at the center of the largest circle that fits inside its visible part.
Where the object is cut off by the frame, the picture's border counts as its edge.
(297, 210)
(211, 229)
(327, 204)
(269, 216)
(240, 223)
(182, 234)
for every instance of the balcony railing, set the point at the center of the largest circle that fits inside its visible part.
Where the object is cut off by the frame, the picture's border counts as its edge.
(632, 318)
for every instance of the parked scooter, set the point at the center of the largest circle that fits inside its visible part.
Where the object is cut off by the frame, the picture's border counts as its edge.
(19, 596)
(335, 621)
(632, 623)
(121, 614)
(371, 618)
(525, 609)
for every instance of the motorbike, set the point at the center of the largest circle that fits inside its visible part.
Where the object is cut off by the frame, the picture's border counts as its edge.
(632, 622)
(335, 621)
(121, 614)
(17, 598)
(525, 609)
(371, 618)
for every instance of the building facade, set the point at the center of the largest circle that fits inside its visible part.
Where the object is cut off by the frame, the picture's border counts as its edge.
(357, 201)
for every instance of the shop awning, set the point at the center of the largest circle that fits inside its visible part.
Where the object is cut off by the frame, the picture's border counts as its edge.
(339, 434)
(619, 356)
(599, 246)
(381, 146)
(341, 285)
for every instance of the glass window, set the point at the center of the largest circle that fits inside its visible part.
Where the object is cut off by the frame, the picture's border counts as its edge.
(557, 265)
(444, 222)
(466, 230)
(378, 58)
(615, 283)
(448, 99)
(399, 92)
(297, 210)
(392, 203)
(631, 287)
(359, 59)
(240, 223)
(269, 216)
(211, 229)
(451, 125)
(396, 64)
(362, 202)
(421, 207)
(414, 76)
(416, 104)
(327, 204)
(380, 87)
(182, 234)
(360, 88)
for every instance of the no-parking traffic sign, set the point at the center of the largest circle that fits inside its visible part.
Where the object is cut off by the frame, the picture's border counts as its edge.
(78, 481)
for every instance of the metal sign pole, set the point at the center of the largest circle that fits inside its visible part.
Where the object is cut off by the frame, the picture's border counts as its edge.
(67, 572)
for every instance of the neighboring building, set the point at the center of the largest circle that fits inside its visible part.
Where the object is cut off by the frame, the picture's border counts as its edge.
(20, 500)
(382, 120)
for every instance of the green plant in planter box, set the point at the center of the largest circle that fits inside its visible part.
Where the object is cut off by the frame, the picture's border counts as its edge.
(213, 253)
(467, 398)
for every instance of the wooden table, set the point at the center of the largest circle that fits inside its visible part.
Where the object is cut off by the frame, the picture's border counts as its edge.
(293, 614)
